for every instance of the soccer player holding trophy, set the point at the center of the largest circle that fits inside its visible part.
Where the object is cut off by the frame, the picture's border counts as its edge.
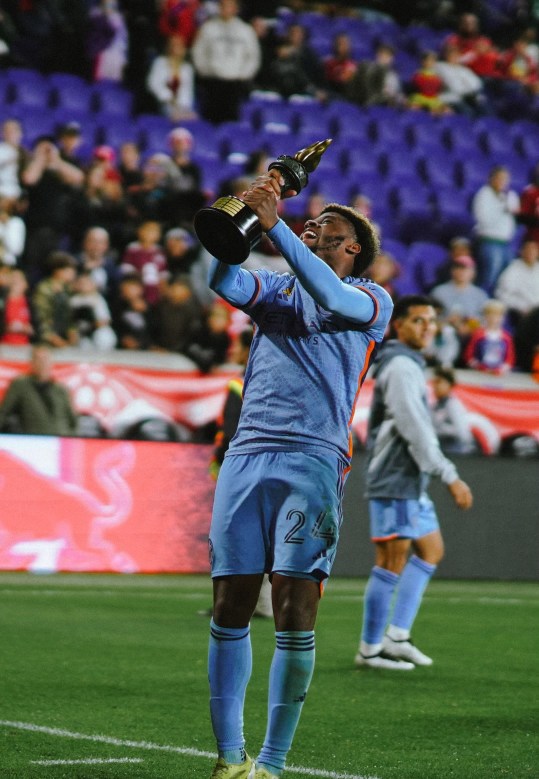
(277, 507)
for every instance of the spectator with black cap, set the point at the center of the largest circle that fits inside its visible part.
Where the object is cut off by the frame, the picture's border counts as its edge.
(69, 140)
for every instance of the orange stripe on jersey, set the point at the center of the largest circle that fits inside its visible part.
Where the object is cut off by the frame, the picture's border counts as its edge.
(368, 355)
(376, 305)
(256, 293)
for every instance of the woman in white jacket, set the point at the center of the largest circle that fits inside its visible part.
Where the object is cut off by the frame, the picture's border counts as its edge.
(171, 81)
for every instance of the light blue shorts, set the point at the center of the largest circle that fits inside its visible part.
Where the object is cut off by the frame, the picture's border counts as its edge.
(394, 518)
(277, 512)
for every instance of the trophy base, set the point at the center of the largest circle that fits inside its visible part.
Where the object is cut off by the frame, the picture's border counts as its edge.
(228, 229)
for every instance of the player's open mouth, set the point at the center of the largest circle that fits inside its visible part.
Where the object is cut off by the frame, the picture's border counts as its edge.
(310, 234)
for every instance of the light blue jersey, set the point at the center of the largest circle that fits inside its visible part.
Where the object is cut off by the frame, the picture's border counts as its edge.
(278, 500)
(306, 364)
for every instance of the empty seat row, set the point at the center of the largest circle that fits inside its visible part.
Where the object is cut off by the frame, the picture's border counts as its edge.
(30, 89)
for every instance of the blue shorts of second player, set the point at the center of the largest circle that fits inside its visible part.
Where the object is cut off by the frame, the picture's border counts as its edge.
(277, 512)
(395, 518)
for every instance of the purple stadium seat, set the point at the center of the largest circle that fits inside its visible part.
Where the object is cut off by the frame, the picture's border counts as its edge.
(236, 137)
(493, 136)
(5, 90)
(523, 128)
(405, 283)
(342, 110)
(32, 93)
(425, 259)
(277, 142)
(296, 207)
(437, 168)
(155, 140)
(313, 121)
(250, 113)
(417, 38)
(280, 113)
(473, 171)
(399, 162)
(425, 137)
(321, 43)
(398, 180)
(113, 131)
(362, 48)
(461, 140)
(354, 135)
(406, 64)
(453, 215)
(361, 161)
(215, 176)
(335, 188)
(111, 99)
(375, 189)
(529, 145)
(34, 122)
(397, 248)
(414, 212)
(153, 122)
(76, 95)
(388, 133)
(24, 83)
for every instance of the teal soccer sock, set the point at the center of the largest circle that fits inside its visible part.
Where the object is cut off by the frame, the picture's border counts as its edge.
(229, 670)
(290, 675)
(413, 583)
(377, 604)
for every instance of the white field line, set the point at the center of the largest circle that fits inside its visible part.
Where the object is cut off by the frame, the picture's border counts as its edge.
(29, 726)
(487, 600)
(89, 761)
(109, 593)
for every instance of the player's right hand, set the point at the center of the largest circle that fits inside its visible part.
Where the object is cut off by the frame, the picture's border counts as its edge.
(461, 494)
(272, 181)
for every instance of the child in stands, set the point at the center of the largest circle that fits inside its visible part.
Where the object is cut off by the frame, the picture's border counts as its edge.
(491, 347)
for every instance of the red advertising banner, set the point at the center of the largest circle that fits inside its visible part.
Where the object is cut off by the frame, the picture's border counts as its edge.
(120, 395)
(71, 504)
(492, 413)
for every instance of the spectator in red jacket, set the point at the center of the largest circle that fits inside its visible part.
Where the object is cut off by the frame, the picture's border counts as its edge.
(427, 86)
(529, 207)
(517, 64)
(146, 257)
(180, 17)
(491, 348)
(469, 40)
(340, 66)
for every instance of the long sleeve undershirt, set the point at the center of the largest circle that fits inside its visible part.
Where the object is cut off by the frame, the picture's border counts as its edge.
(321, 282)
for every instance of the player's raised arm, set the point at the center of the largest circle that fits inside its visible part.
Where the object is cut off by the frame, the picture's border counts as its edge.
(326, 253)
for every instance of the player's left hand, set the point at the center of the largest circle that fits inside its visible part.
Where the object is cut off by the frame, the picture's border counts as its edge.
(263, 196)
(461, 494)
(273, 181)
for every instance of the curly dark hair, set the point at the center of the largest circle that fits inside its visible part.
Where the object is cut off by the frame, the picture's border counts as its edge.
(365, 231)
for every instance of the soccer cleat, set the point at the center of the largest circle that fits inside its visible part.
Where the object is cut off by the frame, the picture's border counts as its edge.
(405, 650)
(224, 770)
(382, 660)
(263, 773)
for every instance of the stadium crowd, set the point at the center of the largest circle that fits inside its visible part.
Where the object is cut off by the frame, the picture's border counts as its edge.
(97, 247)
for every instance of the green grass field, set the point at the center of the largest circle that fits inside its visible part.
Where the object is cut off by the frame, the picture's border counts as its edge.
(105, 676)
